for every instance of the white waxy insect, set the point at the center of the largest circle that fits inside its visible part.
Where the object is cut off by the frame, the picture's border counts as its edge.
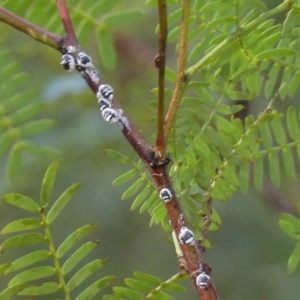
(104, 104)
(110, 115)
(203, 280)
(186, 236)
(68, 62)
(105, 91)
(165, 195)
(84, 60)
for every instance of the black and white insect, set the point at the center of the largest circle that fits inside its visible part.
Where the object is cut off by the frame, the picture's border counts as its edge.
(68, 62)
(186, 236)
(110, 115)
(165, 195)
(155, 163)
(84, 60)
(103, 103)
(203, 280)
(105, 91)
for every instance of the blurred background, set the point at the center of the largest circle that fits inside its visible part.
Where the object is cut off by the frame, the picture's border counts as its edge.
(249, 253)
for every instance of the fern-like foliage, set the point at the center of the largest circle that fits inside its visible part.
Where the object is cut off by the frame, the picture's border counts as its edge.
(235, 52)
(17, 112)
(89, 17)
(23, 282)
(146, 286)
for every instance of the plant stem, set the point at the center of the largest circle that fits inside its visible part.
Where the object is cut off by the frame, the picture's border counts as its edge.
(66, 20)
(181, 75)
(36, 32)
(54, 257)
(160, 136)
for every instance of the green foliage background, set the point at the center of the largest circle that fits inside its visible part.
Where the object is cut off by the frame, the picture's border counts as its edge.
(249, 252)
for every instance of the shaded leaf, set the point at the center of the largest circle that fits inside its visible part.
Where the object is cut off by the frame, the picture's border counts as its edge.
(77, 256)
(21, 224)
(48, 183)
(23, 240)
(294, 259)
(61, 202)
(117, 156)
(28, 260)
(95, 288)
(74, 238)
(11, 291)
(14, 161)
(124, 177)
(33, 274)
(43, 289)
(21, 202)
(85, 272)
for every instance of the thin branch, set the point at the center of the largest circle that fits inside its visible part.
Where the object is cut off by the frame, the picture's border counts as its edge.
(66, 20)
(181, 76)
(206, 220)
(193, 262)
(160, 136)
(36, 32)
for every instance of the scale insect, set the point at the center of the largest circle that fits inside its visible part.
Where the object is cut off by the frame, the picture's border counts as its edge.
(84, 60)
(203, 280)
(68, 62)
(186, 236)
(165, 195)
(105, 91)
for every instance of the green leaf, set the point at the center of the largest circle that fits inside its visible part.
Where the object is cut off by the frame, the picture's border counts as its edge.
(41, 150)
(85, 272)
(133, 189)
(101, 7)
(26, 113)
(294, 83)
(271, 80)
(289, 163)
(35, 127)
(288, 229)
(14, 161)
(4, 267)
(117, 156)
(294, 259)
(124, 177)
(292, 123)
(43, 289)
(28, 260)
(290, 22)
(141, 197)
(95, 288)
(125, 16)
(11, 291)
(74, 238)
(164, 296)
(275, 53)
(48, 183)
(23, 240)
(274, 168)
(106, 48)
(170, 75)
(21, 202)
(138, 285)
(174, 34)
(6, 140)
(125, 292)
(77, 256)
(22, 224)
(236, 95)
(150, 279)
(278, 131)
(33, 274)
(61, 202)
(175, 287)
